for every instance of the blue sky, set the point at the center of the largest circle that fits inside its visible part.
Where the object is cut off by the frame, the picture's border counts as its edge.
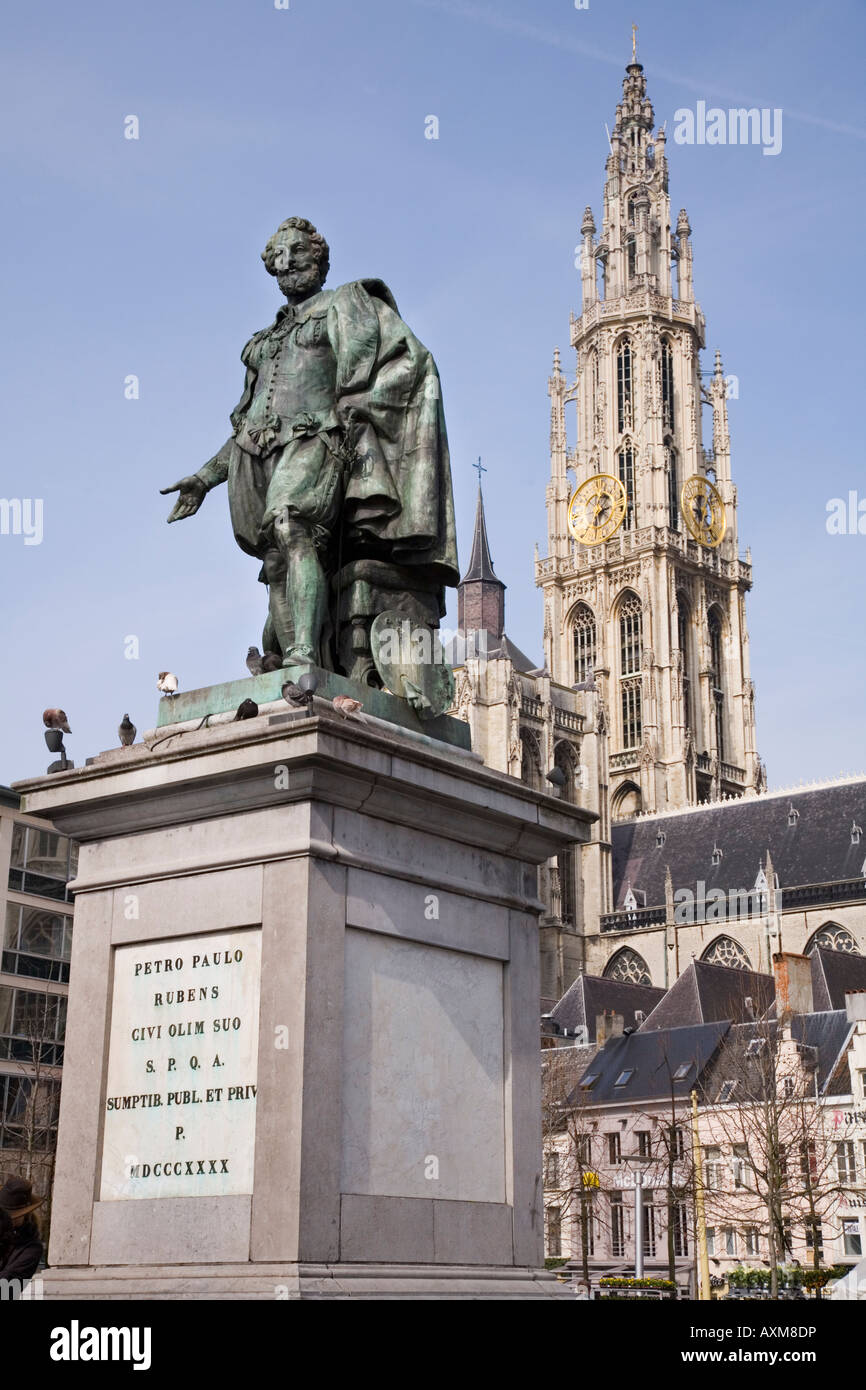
(142, 257)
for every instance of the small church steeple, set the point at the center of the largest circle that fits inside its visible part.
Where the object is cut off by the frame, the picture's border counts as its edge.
(480, 594)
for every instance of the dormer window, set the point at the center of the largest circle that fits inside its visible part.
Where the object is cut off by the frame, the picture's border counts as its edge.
(716, 856)
(856, 832)
(793, 815)
(624, 1077)
(660, 839)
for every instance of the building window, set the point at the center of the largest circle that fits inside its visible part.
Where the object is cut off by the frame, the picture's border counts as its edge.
(740, 1168)
(725, 951)
(753, 1241)
(617, 1226)
(630, 635)
(713, 1167)
(42, 862)
(32, 1026)
(629, 966)
(36, 943)
(711, 1240)
(631, 656)
(551, 1168)
(681, 1228)
(714, 624)
(584, 643)
(815, 1237)
(851, 1241)
(624, 386)
(846, 1167)
(530, 759)
(730, 1236)
(808, 1159)
(673, 490)
(614, 1148)
(678, 1138)
(625, 471)
(667, 388)
(683, 624)
(832, 937)
(554, 1231)
(28, 1113)
(584, 1150)
(643, 1142)
(649, 1225)
(861, 1077)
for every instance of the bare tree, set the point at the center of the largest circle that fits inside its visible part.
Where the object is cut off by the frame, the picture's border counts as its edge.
(762, 1101)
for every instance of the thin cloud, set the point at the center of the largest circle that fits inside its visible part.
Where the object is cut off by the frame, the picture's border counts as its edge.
(483, 14)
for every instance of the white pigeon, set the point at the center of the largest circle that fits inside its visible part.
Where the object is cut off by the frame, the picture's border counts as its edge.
(167, 683)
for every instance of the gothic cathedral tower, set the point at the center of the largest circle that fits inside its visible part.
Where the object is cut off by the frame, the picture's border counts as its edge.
(657, 615)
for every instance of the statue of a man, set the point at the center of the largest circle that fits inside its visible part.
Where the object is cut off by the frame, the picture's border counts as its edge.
(338, 451)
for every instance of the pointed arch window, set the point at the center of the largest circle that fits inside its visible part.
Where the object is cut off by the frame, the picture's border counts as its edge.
(625, 471)
(725, 951)
(624, 385)
(629, 966)
(832, 937)
(631, 656)
(584, 643)
(667, 386)
(631, 255)
(673, 489)
(717, 693)
(683, 626)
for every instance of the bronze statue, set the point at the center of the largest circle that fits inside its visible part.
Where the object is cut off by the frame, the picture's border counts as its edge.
(337, 466)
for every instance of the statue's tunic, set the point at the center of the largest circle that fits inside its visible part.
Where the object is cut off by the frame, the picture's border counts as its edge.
(341, 424)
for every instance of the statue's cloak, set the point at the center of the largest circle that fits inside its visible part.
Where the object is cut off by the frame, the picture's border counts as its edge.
(386, 420)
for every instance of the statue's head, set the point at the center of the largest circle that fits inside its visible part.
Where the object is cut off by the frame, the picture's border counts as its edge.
(298, 256)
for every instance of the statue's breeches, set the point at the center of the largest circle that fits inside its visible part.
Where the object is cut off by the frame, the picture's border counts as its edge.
(304, 479)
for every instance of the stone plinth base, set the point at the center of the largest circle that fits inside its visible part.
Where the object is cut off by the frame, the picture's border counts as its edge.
(303, 1043)
(270, 1283)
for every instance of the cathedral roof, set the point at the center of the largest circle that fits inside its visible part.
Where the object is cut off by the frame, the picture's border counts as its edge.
(814, 835)
(707, 993)
(591, 995)
(480, 563)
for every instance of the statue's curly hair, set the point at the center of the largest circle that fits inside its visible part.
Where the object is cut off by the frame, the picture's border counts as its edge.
(320, 246)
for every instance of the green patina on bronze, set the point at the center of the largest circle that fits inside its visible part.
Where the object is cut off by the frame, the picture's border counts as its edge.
(338, 472)
(225, 698)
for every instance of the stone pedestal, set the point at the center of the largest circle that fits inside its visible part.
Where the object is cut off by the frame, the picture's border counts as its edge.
(302, 1050)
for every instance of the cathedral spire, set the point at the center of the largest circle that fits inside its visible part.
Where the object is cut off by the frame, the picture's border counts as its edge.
(480, 594)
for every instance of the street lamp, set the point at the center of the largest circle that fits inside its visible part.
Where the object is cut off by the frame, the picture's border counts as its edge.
(636, 1180)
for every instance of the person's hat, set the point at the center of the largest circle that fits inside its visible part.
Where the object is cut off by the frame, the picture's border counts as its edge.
(16, 1197)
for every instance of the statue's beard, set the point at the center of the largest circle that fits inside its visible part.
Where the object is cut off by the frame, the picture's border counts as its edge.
(295, 282)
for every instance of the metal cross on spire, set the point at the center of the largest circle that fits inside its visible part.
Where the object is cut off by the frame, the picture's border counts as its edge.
(479, 467)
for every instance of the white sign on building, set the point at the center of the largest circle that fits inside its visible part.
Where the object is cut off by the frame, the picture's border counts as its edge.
(180, 1101)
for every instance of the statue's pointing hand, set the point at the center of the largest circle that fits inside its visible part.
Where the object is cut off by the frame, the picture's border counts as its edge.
(192, 493)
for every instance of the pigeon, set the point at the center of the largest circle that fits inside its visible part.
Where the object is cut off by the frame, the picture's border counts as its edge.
(271, 661)
(345, 705)
(247, 709)
(126, 731)
(167, 683)
(302, 693)
(56, 719)
(254, 661)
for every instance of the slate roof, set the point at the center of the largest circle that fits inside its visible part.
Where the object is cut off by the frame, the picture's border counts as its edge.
(9, 798)
(591, 995)
(817, 849)
(653, 1059)
(456, 650)
(829, 1032)
(708, 993)
(834, 972)
(480, 563)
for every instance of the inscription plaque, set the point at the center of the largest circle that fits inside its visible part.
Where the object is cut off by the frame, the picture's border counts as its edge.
(180, 1100)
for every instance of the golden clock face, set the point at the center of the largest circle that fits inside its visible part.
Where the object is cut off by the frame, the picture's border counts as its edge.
(597, 509)
(703, 511)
